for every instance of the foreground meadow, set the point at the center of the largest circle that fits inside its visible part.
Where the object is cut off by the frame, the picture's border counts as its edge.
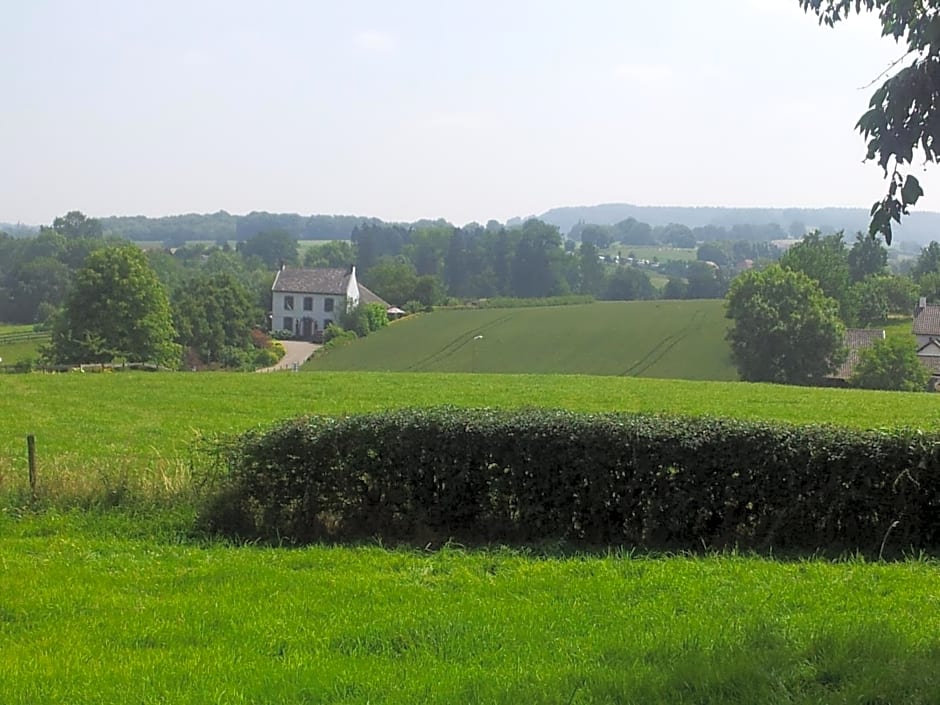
(109, 596)
(91, 611)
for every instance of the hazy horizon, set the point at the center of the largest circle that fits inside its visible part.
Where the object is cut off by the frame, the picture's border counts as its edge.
(466, 112)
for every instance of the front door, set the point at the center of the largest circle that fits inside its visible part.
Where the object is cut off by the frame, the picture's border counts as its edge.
(308, 328)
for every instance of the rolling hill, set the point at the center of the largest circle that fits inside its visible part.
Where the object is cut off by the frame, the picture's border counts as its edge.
(665, 339)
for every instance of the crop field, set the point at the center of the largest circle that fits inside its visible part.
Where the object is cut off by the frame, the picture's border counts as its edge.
(664, 339)
(108, 596)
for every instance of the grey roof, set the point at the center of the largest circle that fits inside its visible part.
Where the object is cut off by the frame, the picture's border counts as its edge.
(367, 296)
(927, 320)
(312, 281)
(856, 340)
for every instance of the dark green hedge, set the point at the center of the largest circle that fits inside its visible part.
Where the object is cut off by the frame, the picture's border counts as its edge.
(532, 475)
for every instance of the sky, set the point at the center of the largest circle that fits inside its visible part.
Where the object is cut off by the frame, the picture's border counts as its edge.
(464, 110)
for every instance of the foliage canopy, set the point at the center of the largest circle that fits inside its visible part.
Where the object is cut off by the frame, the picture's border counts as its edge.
(785, 329)
(903, 117)
(116, 308)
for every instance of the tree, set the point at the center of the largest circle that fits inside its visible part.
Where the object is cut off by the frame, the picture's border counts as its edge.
(336, 253)
(868, 257)
(629, 284)
(213, 312)
(274, 247)
(537, 264)
(592, 269)
(393, 280)
(705, 281)
(75, 224)
(116, 308)
(902, 123)
(890, 364)
(823, 259)
(928, 262)
(784, 328)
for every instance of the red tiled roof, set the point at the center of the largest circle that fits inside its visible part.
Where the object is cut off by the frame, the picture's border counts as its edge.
(927, 320)
(856, 340)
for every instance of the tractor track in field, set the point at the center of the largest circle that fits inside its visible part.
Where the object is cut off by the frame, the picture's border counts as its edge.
(658, 351)
(456, 344)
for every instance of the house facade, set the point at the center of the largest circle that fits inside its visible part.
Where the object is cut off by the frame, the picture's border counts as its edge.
(927, 334)
(306, 301)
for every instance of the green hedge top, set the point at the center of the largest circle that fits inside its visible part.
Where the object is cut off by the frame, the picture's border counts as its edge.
(535, 474)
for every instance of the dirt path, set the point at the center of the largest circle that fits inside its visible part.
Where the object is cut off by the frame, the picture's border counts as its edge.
(297, 354)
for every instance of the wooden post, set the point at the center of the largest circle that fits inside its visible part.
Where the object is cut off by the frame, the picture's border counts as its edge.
(31, 450)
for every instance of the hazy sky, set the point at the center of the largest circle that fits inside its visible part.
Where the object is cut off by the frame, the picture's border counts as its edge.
(411, 109)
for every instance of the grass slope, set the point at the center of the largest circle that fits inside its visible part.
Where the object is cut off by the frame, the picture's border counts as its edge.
(666, 339)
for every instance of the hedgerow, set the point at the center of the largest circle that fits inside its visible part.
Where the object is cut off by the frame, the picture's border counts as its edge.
(532, 475)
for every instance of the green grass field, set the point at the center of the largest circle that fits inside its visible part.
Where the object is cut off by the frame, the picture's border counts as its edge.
(107, 596)
(665, 339)
(11, 353)
(98, 614)
(135, 431)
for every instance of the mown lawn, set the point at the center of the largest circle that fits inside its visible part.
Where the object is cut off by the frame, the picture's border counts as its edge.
(94, 611)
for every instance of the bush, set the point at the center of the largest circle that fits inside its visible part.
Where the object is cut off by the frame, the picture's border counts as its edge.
(282, 334)
(534, 475)
(334, 336)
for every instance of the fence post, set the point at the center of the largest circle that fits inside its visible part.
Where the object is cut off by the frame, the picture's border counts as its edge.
(31, 451)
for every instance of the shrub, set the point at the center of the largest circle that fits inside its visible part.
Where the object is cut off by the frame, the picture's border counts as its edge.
(533, 475)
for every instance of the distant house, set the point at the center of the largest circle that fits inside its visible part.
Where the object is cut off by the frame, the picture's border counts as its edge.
(306, 301)
(856, 340)
(927, 334)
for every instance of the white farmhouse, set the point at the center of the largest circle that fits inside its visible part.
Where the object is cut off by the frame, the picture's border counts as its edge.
(306, 301)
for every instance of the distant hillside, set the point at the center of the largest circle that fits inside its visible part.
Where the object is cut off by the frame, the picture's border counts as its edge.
(666, 339)
(919, 226)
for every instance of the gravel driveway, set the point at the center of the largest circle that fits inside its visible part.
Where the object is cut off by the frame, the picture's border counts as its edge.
(297, 354)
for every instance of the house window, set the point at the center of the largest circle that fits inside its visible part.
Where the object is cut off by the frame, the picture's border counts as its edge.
(288, 324)
(288, 303)
(308, 303)
(327, 305)
(327, 323)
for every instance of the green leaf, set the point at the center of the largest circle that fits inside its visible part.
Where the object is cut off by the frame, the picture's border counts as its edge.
(911, 191)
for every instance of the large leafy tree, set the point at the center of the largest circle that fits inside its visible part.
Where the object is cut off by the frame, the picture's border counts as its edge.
(213, 312)
(824, 259)
(903, 118)
(784, 328)
(868, 257)
(629, 284)
(116, 308)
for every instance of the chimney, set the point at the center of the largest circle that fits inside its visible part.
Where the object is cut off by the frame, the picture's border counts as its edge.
(922, 303)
